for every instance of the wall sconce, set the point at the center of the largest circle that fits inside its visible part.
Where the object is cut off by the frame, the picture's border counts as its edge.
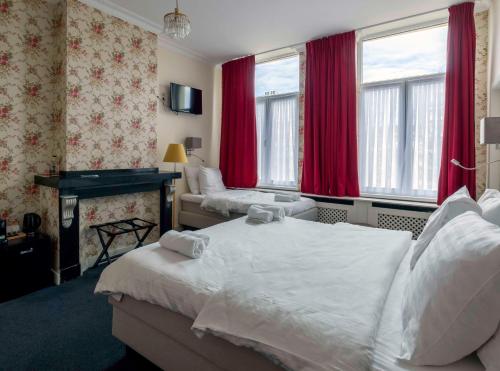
(489, 134)
(192, 143)
(490, 130)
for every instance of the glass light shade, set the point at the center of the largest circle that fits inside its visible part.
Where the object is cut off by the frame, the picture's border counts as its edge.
(176, 25)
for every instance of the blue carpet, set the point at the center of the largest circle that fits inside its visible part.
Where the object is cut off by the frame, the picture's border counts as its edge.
(63, 327)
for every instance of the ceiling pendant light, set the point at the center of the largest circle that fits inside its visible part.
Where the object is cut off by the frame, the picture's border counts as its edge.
(176, 24)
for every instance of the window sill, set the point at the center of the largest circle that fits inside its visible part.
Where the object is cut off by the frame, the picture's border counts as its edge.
(391, 201)
(277, 188)
(363, 198)
(423, 201)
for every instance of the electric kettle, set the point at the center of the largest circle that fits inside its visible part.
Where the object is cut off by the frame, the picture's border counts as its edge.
(31, 222)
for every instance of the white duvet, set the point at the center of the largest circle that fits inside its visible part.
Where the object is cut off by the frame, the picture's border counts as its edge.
(239, 200)
(308, 294)
(314, 306)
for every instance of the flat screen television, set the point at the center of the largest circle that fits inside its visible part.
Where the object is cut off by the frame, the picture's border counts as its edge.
(185, 99)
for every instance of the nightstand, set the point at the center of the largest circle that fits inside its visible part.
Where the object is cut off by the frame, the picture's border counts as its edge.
(25, 266)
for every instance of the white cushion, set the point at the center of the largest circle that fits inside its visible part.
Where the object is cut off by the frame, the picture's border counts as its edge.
(490, 205)
(489, 194)
(210, 180)
(491, 210)
(489, 353)
(452, 301)
(458, 203)
(192, 179)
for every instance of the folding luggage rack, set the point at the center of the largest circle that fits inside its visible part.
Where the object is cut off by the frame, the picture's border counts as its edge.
(117, 228)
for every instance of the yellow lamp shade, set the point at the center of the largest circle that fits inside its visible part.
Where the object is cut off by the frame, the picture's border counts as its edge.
(175, 153)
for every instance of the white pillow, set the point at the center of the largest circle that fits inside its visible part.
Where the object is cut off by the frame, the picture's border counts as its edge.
(210, 180)
(452, 300)
(488, 194)
(489, 353)
(456, 204)
(490, 205)
(192, 179)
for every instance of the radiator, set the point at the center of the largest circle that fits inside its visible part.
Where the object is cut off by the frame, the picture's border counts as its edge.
(331, 215)
(401, 223)
(363, 213)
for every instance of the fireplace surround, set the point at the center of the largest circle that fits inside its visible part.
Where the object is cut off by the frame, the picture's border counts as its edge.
(73, 186)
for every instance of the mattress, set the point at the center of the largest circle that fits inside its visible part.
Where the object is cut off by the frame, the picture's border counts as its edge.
(189, 197)
(183, 285)
(166, 339)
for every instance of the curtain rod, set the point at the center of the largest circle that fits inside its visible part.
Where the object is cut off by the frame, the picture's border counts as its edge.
(357, 30)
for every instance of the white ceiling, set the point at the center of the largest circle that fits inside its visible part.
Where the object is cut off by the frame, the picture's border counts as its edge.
(225, 29)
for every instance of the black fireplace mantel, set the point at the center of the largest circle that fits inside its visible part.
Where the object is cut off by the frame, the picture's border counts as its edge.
(76, 185)
(101, 183)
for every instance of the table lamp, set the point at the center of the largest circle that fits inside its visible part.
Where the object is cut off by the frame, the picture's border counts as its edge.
(176, 154)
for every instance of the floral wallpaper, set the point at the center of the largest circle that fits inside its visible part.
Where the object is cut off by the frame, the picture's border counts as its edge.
(145, 206)
(111, 89)
(481, 83)
(111, 92)
(80, 85)
(28, 31)
(302, 86)
(58, 68)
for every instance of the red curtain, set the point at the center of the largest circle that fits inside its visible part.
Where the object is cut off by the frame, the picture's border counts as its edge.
(458, 131)
(238, 146)
(330, 144)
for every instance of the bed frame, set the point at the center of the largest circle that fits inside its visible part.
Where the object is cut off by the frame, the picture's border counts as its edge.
(165, 338)
(192, 215)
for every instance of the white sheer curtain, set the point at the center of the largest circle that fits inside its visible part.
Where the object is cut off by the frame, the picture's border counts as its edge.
(381, 138)
(400, 132)
(260, 114)
(277, 132)
(424, 136)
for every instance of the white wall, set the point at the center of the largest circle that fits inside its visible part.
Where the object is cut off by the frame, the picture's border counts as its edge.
(494, 43)
(174, 128)
(216, 115)
(494, 88)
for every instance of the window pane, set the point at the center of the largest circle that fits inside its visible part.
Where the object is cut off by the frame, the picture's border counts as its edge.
(400, 154)
(280, 76)
(425, 116)
(283, 156)
(277, 87)
(381, 134)
(401, 113)
(409, 54)
(260, 114)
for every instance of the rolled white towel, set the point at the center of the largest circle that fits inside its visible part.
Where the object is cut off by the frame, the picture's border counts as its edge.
(204, 237)
(183, 243)
(255, 213)
(286, 197)
(277, 211)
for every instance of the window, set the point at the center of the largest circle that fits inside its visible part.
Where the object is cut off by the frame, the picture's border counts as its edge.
(401, 113)
(277, 111)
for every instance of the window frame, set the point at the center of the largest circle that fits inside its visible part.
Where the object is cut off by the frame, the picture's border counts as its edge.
(404, 81)
(267, 100)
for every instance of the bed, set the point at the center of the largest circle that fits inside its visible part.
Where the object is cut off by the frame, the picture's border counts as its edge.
(165, 306)
(201, 211)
